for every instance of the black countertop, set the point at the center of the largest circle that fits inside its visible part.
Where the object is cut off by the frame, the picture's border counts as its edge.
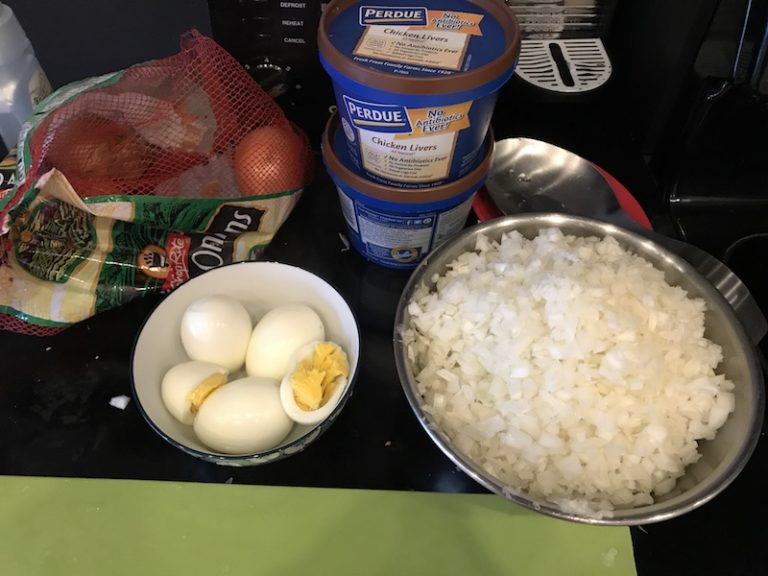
(55, 417)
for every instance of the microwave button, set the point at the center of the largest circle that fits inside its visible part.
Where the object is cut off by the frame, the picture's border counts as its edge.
(258, 43)
(258, 24)
(293, 5)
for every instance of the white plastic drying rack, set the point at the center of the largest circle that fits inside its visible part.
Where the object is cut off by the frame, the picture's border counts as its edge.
(569, 65)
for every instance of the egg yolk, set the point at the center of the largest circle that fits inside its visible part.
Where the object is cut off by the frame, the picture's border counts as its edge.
(317, 376)
(198, 395)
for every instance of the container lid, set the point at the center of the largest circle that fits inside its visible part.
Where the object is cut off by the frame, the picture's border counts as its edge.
(436, 46)
(337, 160)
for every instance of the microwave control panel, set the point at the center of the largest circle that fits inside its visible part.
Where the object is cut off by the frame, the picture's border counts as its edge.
(276, 40)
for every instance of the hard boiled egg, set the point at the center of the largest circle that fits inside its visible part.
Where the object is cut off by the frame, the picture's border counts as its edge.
(243, 417)
(187, 385)
(277, 336)
(216, 329)
(315, 382)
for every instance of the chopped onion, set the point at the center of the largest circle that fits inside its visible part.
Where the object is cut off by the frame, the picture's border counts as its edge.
(568, 368)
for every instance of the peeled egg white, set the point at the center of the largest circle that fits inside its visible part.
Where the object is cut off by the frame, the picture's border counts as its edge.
(179, 381)
(216, 329)
(288, 400)
(277, 336)
(243, 417)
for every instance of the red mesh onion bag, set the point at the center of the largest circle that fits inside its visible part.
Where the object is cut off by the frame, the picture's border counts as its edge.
(153, 174)
(142, 130)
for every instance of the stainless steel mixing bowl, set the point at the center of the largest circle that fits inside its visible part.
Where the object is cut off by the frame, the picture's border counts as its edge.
(722, 458)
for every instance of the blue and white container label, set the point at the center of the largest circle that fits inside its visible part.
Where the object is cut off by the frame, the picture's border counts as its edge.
(411, 135)
(398, 239)
(406, 144)
(390, 118)
(400, 16)
(420, 39)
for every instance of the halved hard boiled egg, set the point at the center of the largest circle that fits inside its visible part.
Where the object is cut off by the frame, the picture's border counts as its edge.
(277, 336)
(315, 381)
(186, 386)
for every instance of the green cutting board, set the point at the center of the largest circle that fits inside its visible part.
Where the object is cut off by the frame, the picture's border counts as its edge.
(54, 526)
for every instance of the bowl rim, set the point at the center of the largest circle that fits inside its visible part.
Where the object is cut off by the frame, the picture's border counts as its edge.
(277, 452)
(651, 513)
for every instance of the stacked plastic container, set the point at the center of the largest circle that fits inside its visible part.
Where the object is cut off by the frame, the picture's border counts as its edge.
(415, 90)
(22, 82)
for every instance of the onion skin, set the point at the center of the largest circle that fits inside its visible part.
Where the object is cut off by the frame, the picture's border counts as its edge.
(270, 159)
(97, 148)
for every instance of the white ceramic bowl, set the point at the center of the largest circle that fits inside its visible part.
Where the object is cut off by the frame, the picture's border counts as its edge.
(260, 286)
